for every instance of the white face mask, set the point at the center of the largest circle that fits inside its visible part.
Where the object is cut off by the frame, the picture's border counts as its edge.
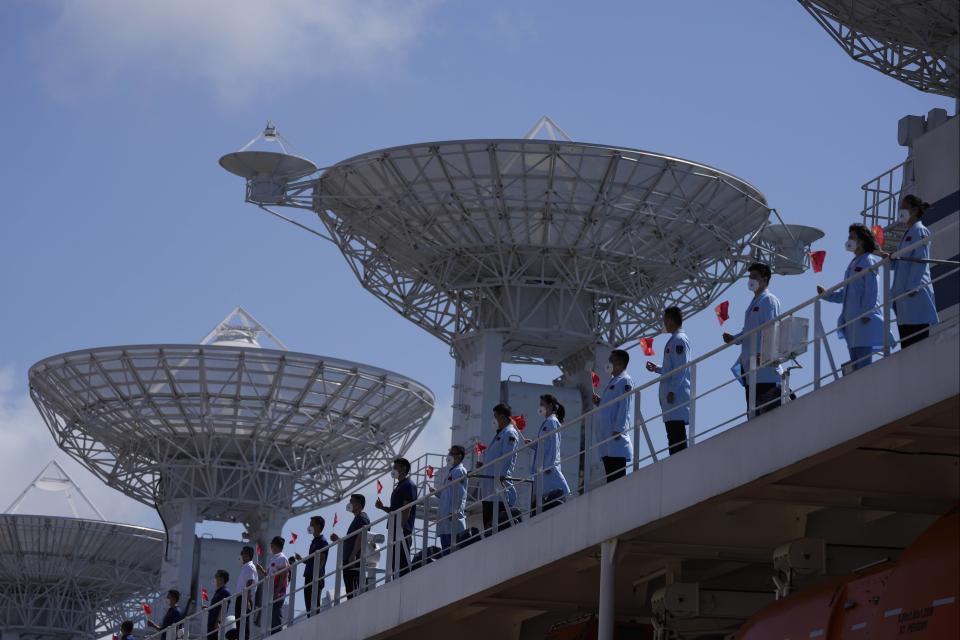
(851, 245)
(349, 508)
(609, 368)
(542, 411)
(904, 215)
(753, 284)
(394, 474)
(310, 530)
(450, 461)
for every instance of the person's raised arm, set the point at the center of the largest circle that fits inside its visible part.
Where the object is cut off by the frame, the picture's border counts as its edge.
(834, 296)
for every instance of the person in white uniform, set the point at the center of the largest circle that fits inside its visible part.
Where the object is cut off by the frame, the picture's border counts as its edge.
(674, 388)
(548, 479)
(912, 289)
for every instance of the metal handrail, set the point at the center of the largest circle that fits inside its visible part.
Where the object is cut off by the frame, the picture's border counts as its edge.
(880, 193)
(396, 545)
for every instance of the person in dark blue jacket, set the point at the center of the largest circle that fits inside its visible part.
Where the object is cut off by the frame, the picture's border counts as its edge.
(216, 612)
(353, 545)
(314, 562)
(912, 290)
(401, 498)
(126, 630)
(173, 615)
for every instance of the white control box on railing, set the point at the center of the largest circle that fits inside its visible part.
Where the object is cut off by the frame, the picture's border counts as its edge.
(784, 340)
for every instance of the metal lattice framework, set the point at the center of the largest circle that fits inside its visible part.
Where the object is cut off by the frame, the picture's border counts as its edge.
(914, 41)
(234, 429)
(555, 244)
(62, 578)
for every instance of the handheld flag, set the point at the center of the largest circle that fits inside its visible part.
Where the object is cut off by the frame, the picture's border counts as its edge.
(379, 487)
(816, 260)
(430, 472)
(519, 421)
(336, 519)
(479, 448)
(595, 379)
(147, 609)
(647, 345)
(293, 537)
(723, 312)
(878, 234)
(259, 550)
(203, 594)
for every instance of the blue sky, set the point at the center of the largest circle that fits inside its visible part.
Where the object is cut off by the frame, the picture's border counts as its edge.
(119, 227)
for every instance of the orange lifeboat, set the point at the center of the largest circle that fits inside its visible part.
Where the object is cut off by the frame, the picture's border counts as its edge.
(914, 599)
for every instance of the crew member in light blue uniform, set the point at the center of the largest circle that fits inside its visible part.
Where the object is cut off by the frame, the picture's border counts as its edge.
(550, 484)
(861, 320)
(675, 388)
(762, 309)
(453, 500)
(616, 420)
(505, 441)
(912, 290)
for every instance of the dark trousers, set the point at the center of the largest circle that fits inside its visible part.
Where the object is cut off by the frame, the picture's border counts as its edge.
(768, 397)
(237, 612)
(308, 594)
(614, 467)
(552, 499)
(504, 517)
(404, 552)
(446, 539)
(276, 616)
(676, 435)
(351, 581)
(912, 333)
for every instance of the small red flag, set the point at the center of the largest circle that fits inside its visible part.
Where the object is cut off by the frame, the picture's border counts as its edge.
(723, 312)
(116, 637)
(203, 594)
(878, 234)
(647, 345)
(430, 472)
(147, 609)
(259, 550)
(519, 421)
(336, 519)
(379, 487)
(293, 537)
(479, 448)
(816, 260)
(595, 379)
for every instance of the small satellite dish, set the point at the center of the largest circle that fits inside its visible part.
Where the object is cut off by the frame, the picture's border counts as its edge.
(789, 245)
(267, 172)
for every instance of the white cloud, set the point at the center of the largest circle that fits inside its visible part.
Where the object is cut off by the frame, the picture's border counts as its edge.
(28, 447)
(238, 46)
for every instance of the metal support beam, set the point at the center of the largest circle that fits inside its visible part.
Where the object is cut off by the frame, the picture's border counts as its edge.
(477, 386)
(608, 550)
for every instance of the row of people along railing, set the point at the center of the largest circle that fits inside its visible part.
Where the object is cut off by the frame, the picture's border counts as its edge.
(248, 615)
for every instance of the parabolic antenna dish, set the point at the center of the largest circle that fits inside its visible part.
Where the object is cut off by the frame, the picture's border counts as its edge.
(790, 245)
(916, 42)
(233, 429)
(555, 244)
(58, 576)
(250, 164)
